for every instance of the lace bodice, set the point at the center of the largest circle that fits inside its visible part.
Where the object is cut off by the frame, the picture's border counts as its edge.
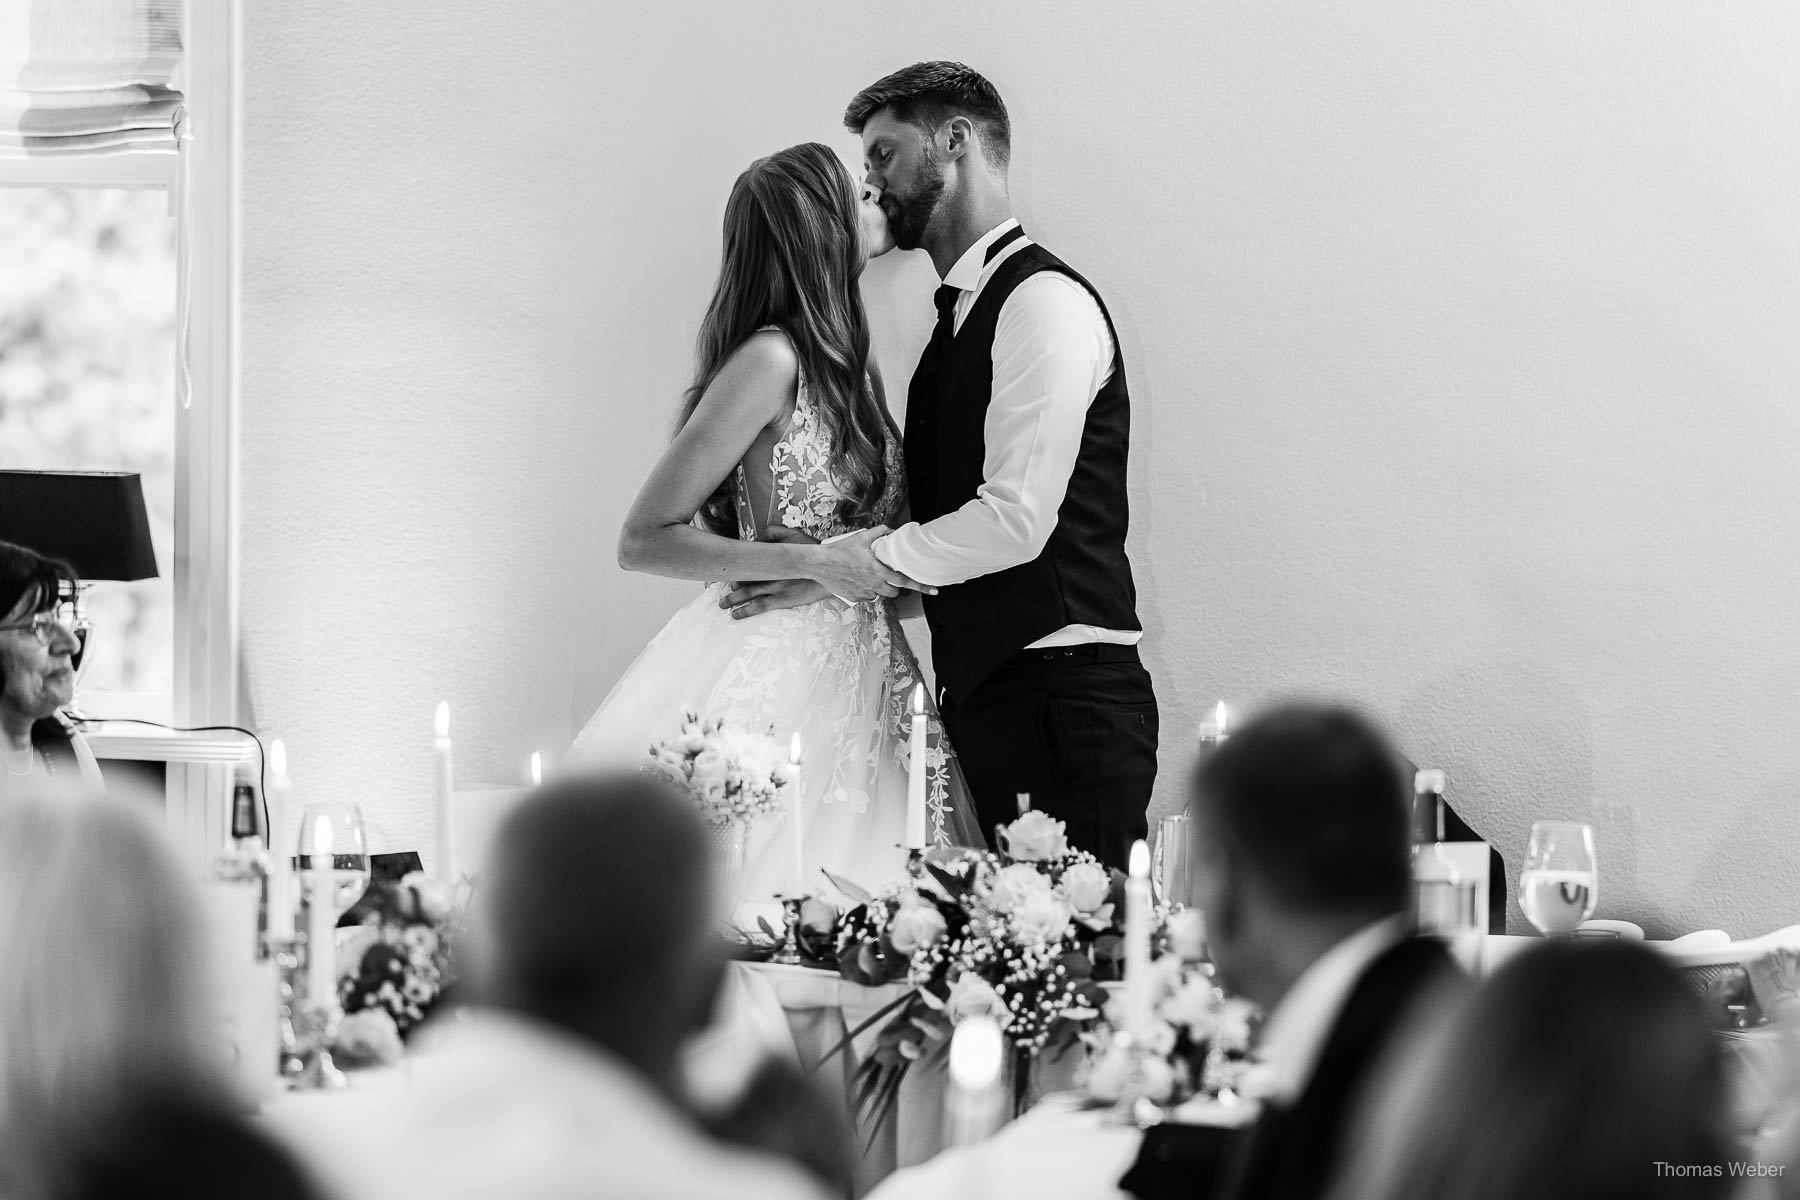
(804, 494)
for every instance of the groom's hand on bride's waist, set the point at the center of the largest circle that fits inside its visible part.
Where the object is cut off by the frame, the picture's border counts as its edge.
(848, 568)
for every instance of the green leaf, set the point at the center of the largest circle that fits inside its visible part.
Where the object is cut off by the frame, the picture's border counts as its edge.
(851, 1036)
(763, 923)
(855, 893)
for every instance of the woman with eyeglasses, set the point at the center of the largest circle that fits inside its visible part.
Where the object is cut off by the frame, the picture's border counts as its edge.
(39, 747)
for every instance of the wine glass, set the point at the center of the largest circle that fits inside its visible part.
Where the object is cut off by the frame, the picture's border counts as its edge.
(1559, 884)
(341, 826)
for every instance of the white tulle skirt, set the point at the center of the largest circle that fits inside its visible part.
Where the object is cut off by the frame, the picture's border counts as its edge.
(840, 675)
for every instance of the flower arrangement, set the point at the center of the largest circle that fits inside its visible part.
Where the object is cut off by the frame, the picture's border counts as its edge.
(398, 967)
(1027, 935)
(1198, 1041)
(736, 776)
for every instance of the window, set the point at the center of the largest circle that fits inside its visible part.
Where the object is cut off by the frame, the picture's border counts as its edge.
(87, 380)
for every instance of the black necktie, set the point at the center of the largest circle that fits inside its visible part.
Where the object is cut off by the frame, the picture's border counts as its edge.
(946, 298)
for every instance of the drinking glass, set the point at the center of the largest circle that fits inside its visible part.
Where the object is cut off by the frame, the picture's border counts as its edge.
(1172, 862)
(342, 826)
(1559, 884)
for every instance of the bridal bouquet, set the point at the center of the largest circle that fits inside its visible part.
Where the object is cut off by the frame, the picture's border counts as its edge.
(398, 965)
(733, 774)
(1027, 936)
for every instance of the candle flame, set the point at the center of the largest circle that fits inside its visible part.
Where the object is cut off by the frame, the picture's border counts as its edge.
(322, 836)
(794, 750)
(1219, 719)
(277, 758)
(443, 718)
(975, 1052)
(919, 699)
(537, 768)
(1140, 860)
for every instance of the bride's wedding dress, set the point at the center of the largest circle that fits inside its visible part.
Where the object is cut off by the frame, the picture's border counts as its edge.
(842, 675)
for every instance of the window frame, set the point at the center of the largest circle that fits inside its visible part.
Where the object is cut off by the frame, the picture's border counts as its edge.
(203, 185)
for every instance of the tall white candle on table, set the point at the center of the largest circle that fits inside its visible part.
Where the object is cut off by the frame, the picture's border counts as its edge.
(281, 862)
(446, 829)
(976, 1105)
(796, 836)
(321, 912)
(915, 775)
(1213, 729)
(537, 768)
(1137, 943)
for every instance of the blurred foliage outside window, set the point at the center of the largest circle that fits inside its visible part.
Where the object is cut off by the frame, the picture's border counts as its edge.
(87, 381)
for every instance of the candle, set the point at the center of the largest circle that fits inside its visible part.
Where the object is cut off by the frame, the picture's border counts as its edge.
(915, 776)
(321, 954)
(446, 830)
(1137, 943)
(537, 768)
(796, 836)
(976, 1105)
(281, 863)
(1213, 729)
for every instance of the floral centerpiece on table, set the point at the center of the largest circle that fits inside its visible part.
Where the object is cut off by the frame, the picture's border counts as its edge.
(1198, 1041)
(397, 967)
(1027, 936)
(735, 775)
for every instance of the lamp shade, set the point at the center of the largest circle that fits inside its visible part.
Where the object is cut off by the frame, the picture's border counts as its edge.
(94, 520)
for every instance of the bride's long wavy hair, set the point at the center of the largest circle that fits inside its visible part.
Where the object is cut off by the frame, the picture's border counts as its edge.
(792, 256)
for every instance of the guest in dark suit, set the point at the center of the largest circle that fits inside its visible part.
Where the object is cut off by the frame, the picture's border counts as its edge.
(1570, 1075)
(1303, 872)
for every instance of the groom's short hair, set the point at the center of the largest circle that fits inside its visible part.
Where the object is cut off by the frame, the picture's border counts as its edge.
(929, 93)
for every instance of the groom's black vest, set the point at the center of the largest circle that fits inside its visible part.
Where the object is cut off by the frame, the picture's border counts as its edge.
(1082, 576)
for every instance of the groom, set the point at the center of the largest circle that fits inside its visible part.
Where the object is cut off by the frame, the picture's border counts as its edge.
(1017, 425)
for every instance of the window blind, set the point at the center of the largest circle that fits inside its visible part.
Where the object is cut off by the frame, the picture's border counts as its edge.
(89, 77)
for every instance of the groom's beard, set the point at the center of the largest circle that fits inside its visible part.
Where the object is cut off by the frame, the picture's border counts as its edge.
(909, 216)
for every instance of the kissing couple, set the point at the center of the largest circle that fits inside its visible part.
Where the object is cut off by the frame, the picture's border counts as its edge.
(1001, 509)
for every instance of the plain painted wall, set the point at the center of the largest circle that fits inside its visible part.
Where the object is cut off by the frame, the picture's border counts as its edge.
(1462, 340)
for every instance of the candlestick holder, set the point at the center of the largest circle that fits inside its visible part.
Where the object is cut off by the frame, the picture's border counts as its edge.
(915, 862)
(286, 953)
(1135, 1106)
(789, 953)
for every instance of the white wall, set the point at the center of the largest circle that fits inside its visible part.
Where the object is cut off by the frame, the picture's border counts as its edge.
(1462, 341)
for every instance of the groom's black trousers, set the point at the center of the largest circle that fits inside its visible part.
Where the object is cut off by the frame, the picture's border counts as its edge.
(1074, 726)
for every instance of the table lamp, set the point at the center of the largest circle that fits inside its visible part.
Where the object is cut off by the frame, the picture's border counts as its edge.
(93, 520)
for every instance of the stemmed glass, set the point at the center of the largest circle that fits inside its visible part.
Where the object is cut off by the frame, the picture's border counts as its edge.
(349, 852)
(1559, 884)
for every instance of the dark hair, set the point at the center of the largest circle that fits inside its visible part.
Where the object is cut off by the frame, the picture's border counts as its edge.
(929, 93)
(791, 258)
(1314, 801)
(25, 572)
(1570, 1073)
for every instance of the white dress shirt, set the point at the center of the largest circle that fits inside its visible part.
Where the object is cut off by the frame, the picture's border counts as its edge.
(1295, 1034)
(501, 1106)
(1052, 354)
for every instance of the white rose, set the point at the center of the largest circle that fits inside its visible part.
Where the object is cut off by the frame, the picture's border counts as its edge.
(432, 899)
(1110, 1072)
(369, 1036)
(1187, 934)
(672, 760)
(973, 996)
(1193, 1007)
(1041, 918)
(1013, 886)
(1086, 885)
(691, 741)
(915, 926)
(710, 766)
(1035, 837)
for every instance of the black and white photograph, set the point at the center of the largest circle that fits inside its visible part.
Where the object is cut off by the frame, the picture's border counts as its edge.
(994, 599)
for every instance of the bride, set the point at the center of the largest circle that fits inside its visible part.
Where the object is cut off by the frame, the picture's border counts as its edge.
(785, 443)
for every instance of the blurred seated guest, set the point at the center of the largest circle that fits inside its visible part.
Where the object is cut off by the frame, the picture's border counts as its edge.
(592, 958)
(786, 1112)
(38, 745)
(111, 1077)
(1303, 870)
(1580, 1071)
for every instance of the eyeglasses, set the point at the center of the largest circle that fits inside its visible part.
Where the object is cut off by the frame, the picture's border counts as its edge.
(39, 624)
